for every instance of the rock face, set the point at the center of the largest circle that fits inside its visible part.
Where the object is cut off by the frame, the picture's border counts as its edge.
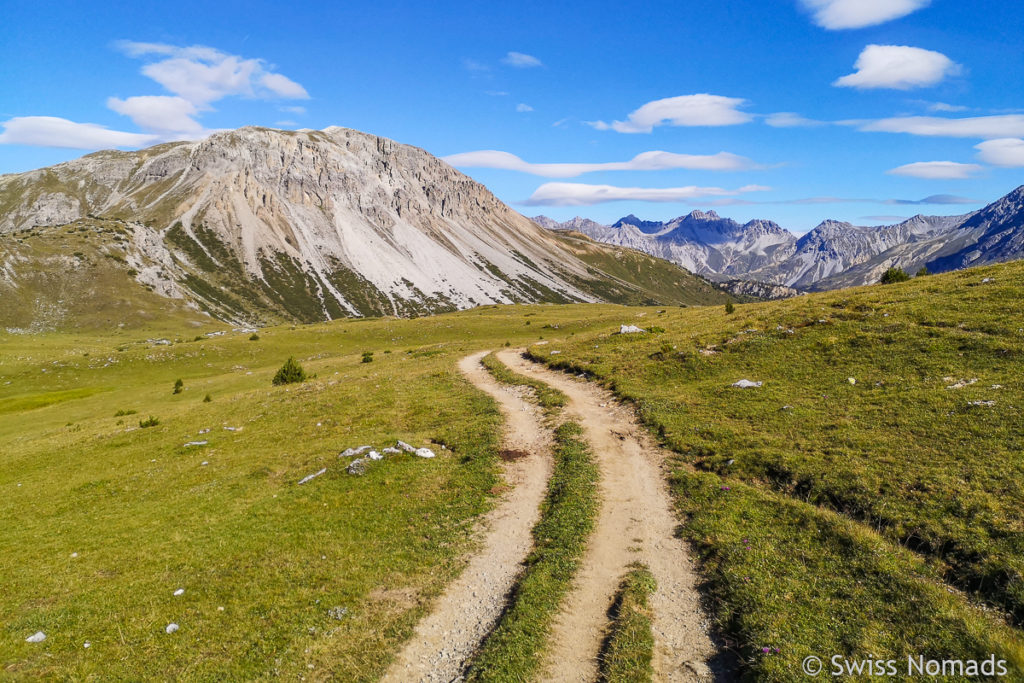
(832, 255)
(259, 224)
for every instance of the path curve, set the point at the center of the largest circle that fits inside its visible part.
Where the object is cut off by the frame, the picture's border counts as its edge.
(636, 523)
(467, 611)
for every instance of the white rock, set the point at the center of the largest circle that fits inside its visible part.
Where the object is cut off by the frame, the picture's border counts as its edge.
(74, 554)
(36, 637)
(630, 329)
(374, 455)
(87, 645)
(180, 591)
(311, 476)
(424, 453)
(405, 447)
(171, 628)
(351, 452)
(195, 443)
(391, 450)
(746, 384)
(851, 380)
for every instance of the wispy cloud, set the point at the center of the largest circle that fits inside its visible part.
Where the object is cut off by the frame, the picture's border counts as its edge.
(898, 67)
(1008, 152)
(786, 119)
(646, 161)
(473, 66)
(946, 108)
(936, 170)
(845, 14)
(51, 131)
(983, 127)
(685, 110)
(521, 60)
(579, 194)
(521, 107)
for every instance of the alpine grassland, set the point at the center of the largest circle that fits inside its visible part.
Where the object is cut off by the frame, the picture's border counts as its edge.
(112, 533)
(867, 498)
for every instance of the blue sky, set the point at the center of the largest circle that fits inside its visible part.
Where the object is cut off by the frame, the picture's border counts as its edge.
(794, 110)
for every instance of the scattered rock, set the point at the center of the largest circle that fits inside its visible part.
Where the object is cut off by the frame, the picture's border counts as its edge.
(171, 628)
(74, 555)
(337, 613)
(180, 591)
(352, 452)
(555, 352)
(195, 443)
(746, 384)
(962, 383)
(36, 637)
(852, 380)
(204, 463)
(391, 450)
(87, 645)
(986, 280)
(424, 453)
(311, 476)
(374, 455)
(357, 467)
(232, 429)
(204, 431)
(986, 404)
(405, 447)
(630, 329)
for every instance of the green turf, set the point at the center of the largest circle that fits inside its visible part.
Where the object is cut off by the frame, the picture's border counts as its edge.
(147, 517)
(867, 483)
(629, 648)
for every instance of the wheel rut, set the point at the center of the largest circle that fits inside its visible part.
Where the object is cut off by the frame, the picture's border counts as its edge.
(466, 612)
(636, 523)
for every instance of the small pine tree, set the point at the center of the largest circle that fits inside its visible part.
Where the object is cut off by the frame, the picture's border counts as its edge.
(894, 275)
(367, 356)
(729, 308)
(151, 422)
(290, 373)
(179, 386)
(924, 271)
(208, 399)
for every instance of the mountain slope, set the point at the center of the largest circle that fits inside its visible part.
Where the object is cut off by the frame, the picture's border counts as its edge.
(264, 225)
(833, 255)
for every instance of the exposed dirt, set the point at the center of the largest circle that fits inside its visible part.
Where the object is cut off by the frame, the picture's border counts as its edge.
(468, 609)
(636, 522)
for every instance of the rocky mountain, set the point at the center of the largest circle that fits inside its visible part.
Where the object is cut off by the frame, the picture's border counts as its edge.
(832, 255)
(262, 225)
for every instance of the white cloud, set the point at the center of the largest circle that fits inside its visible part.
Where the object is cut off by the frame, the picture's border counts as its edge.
(520, 60)
(474, 66)
(203, 75)
(293, 110)
(164, 114)
(984, 127)
(646, 161)
(579, 194)
(685, 110)
(523, 107)
(786, 119)
(936, 170)
(898, 67)
(496, 93)
(50, 131)
(840, 14)
(1002, 152)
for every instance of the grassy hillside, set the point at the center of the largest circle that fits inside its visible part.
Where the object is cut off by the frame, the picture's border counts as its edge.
(634, 278)
(105, 520)
(867, 499)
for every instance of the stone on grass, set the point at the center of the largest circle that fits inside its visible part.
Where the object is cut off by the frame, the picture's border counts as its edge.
(311, 476)
(374, 455)
(195, 443)
(352, 452)
(180, 591)
(357, 467)
(746, 384)
(405, 447)
(337, 613)
(171, 628)
(630, 329)
(424, 453)
(391, 450)
(36, 637)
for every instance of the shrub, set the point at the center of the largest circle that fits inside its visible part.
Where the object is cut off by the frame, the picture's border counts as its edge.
(122, 413)
(254, 337)
(924, 271)
(179, 386)
(208, 399)
(151, 422)
(729, 308)
(290, 373)
(894, 275)
(367, 356)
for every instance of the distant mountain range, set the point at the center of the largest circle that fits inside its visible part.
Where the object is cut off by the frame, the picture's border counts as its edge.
(261, 225)
(833, 255)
